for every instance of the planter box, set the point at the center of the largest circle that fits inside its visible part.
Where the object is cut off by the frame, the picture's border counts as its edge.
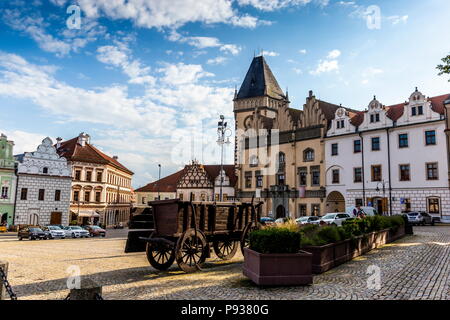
(397, 234)
(278, 269)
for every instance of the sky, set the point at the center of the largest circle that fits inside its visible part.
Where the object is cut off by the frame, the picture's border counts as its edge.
(148, 79)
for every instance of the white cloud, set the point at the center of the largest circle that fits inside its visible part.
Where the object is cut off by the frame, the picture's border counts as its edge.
(270, 53)
(326, 66)
(24, 141)
(398, 19)
(231, 48)
(297, 70)
(302, 51)
(181, 73)
(217, 60)
(271, 5)
(334, 54)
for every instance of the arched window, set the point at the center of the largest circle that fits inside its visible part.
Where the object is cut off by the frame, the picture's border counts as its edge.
(281, 165)
(308, 155)
(45, 170)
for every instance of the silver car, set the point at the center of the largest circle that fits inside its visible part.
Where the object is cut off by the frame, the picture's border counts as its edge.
(76, 232)
(422, 218)
(55, 232)
(308, 220)
(335, 219)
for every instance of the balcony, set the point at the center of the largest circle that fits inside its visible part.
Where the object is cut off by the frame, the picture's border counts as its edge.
(279, 188)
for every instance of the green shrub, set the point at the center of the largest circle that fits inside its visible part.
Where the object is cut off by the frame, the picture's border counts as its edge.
(329, 234)
(313, 240)
(275, 240)
(394, 222)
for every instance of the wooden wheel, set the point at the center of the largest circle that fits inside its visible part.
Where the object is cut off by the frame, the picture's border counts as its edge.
(245, 238)
(160, 256)
(191, 250)
(226, 249)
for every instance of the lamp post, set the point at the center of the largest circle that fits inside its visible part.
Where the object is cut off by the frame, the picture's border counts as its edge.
(222, 133)
(159, 178)
(384, 183)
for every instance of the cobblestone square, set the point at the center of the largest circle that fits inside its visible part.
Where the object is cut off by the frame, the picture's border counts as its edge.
(415, 267)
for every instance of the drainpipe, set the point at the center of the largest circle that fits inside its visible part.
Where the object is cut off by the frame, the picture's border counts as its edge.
(15, 198)
(363, 168)
(389, 171)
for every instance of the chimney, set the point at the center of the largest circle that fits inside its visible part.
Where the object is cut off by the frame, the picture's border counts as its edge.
(115, 157)
(58, 142)
(310, 93)
(83, 138)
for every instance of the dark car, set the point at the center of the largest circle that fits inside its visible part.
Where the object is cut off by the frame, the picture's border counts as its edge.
(95, 231)
(31, 233)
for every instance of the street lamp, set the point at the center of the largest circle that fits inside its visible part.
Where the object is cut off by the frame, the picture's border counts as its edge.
(384, 183)
(222, 133)
(159, 178)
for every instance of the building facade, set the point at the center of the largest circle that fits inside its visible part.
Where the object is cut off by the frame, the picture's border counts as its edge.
(7, 181)
(44, 183)
(279, 154)
(101, 185)
(394, 158)
(196, 181)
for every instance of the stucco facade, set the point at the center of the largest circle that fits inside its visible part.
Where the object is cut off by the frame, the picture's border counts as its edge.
(394, 158)
(44, 184)
(7, 181)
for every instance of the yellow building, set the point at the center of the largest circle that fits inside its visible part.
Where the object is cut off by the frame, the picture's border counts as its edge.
(279, 156)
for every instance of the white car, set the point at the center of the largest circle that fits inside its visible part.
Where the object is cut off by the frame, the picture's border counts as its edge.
(55, 232)
(368, 211)
(76, 232)
(306, 220)
(335, 218)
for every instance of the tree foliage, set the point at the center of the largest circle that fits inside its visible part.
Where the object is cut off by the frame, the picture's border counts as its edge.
(444, 68)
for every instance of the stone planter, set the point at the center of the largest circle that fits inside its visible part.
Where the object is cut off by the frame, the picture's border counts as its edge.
(396, 234)
(278, 269)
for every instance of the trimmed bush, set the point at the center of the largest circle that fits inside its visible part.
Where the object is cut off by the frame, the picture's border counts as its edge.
(275, 240)
(329, 234)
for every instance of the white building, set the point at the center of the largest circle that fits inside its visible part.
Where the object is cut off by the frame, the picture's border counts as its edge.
(44, 184)
(394, 158)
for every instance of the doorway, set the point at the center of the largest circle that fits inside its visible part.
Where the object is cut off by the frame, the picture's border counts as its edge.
(33, 219)
(281, 212)
(4, 218)
(335, 202)
(56, 218)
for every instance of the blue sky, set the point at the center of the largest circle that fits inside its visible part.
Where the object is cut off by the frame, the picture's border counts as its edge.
(148, 79)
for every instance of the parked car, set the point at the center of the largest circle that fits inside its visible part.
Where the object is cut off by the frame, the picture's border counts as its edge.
(307, 220)
(368, 211)
(31, 233)
(54, 232)
(76, 232)
(335, 218)
(422, 218)
(267, 221)
(281, 220)
(95, 231)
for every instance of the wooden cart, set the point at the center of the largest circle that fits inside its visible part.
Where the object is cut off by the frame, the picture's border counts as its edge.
(185, 230)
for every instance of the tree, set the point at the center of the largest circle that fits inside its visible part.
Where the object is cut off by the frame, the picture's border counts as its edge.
(444, 68)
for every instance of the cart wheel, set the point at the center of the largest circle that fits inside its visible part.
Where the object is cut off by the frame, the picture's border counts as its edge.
(191, 250)
(245, 238)
(160, 256)
(225, 250)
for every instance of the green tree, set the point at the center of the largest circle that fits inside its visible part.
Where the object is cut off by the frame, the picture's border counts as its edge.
(444, 68)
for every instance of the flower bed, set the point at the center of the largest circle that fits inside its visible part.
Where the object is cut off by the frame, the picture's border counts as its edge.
(332, 246)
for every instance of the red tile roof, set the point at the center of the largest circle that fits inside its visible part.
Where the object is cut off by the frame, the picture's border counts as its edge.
(73, 151)
(395, 112)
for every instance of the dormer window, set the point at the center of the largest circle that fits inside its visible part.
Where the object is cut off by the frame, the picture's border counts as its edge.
(340, 124)
(45, 170)
(374, 118)
(413, 111)
(420, 110)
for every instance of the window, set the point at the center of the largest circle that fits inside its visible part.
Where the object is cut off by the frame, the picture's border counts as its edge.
(302, 172)
(281, 161)
(259, 179)
(99, 176)
(78, 175)
(315, 176)
(23, 194)
(302, 210)
(357, 175)
(281, 179)
(254, 161)
(203, 197)
(144, 200)
(406, 205)
(248, 179)
(432, 171)
(403, 140)
(225, 197)
(45, 170)
(98, 195)
(376, 144)
(76, 196)
(41, 195)
(335, 176)
(340, 124)
(308, 155)
(315, 209)
(359, 202)
(405, 172)
(430, 138)
(413, 111)
(57, 195)
(357, 146)
(87, 196)
(5, 191)
(334, 149)
(420, 110)
(374, 117)
(88, 175)
(180, 196)
(376, 173)
(434, 206)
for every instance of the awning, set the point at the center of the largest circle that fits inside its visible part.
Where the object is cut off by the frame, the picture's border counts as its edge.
(89, 214)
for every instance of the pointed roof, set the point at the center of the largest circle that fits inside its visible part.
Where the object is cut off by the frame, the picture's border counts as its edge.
(72, 150)
(260, 81)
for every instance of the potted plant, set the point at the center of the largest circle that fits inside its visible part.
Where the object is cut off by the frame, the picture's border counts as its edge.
(274, 258)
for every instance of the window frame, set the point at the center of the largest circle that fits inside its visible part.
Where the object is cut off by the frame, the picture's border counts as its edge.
(402, 140)
(372, 143)
(400, 172)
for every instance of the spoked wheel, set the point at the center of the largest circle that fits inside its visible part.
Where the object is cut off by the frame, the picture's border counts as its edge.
(160, 256)
(245, 238)
(226, 249)
(191, 250)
